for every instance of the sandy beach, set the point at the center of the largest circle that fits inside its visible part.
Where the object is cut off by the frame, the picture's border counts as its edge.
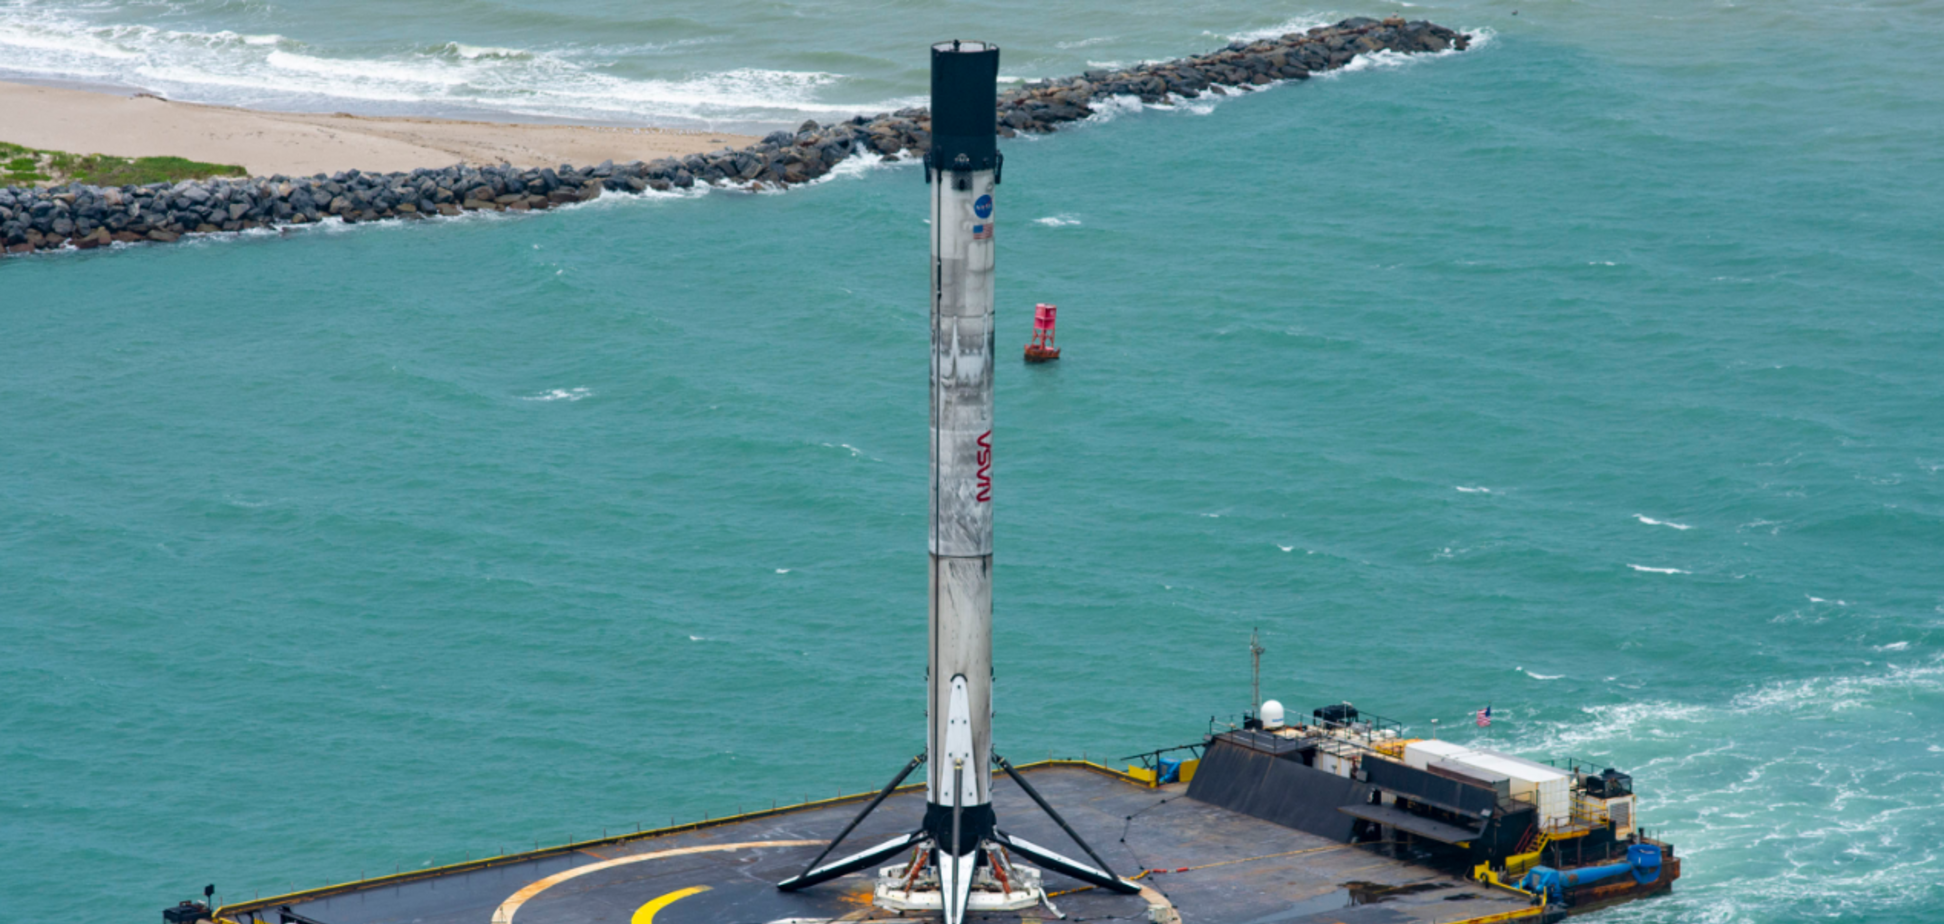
(266, 143)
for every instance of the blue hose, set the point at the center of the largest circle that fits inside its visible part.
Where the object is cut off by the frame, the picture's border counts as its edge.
(1643, 861)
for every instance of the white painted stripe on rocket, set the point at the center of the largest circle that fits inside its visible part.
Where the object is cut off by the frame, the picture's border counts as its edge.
(958, 739)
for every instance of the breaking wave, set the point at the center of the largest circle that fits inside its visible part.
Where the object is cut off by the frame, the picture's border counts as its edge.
(1653, 570)
(560, 394)
(1650, 521)
(276, 72)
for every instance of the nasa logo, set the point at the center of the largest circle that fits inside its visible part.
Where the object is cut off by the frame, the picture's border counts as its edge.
(982, 207)
(985, 467)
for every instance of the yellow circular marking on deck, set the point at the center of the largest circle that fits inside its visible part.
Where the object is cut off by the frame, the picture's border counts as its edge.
(504, 913)
(646, 913)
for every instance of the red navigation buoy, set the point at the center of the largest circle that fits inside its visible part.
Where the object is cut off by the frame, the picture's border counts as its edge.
(1042, 349)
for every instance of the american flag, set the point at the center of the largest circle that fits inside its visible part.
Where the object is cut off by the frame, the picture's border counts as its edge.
(1485, 717)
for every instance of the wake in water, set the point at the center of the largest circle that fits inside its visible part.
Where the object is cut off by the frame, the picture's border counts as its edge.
(1810, 798)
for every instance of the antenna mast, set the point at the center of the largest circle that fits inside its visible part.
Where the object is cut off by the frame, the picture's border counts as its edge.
(1255, 675)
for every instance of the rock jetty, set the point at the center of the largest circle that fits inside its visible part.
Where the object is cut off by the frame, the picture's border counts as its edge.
(87, 217)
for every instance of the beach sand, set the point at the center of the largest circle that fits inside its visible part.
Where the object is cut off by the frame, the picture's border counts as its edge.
(265, 143)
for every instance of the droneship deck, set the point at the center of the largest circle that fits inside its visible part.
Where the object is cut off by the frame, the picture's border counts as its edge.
(1209, 866)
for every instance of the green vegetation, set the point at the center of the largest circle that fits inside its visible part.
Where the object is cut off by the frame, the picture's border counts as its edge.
(25, 167)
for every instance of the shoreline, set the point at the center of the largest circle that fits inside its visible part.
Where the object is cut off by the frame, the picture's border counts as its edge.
(85, 217)
(266, 143)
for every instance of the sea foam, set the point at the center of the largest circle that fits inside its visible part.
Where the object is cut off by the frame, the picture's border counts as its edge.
(276, 71)
(1653, 570)
(1650, 521)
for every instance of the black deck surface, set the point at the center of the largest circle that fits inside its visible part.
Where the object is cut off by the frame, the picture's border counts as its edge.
(1255, 872)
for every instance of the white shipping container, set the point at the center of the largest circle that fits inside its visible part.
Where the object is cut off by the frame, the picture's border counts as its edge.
(1551, 789)
(1420, 754)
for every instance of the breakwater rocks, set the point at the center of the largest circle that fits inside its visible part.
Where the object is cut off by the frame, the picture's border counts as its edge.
(87, 217)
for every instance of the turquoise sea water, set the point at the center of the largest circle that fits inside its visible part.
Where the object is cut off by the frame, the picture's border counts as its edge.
(1594, 374)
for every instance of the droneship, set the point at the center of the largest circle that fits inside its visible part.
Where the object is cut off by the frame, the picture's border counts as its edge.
(1339, 818)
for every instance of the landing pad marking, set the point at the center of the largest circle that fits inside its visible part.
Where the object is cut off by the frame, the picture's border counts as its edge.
(504, 913)
(646, 913)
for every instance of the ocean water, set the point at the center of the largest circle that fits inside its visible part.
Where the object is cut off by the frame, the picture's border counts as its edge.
(1593, 375)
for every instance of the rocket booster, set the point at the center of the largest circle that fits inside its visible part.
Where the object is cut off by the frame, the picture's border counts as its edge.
(963, 170)
(958, 839)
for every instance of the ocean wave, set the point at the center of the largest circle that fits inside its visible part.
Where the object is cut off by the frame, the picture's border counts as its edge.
(1843, 692)
(1057, 221)
(1650, 521)
(1652, 570)
(1112, 107)
(1472, 489)
(1386, 58)
(474, 52)
(1607, 725)
(560, 394)
(276, 71)
(1302, 23)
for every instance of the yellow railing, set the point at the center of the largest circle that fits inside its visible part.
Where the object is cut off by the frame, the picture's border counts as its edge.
(1518, 864)
(1483, 873)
